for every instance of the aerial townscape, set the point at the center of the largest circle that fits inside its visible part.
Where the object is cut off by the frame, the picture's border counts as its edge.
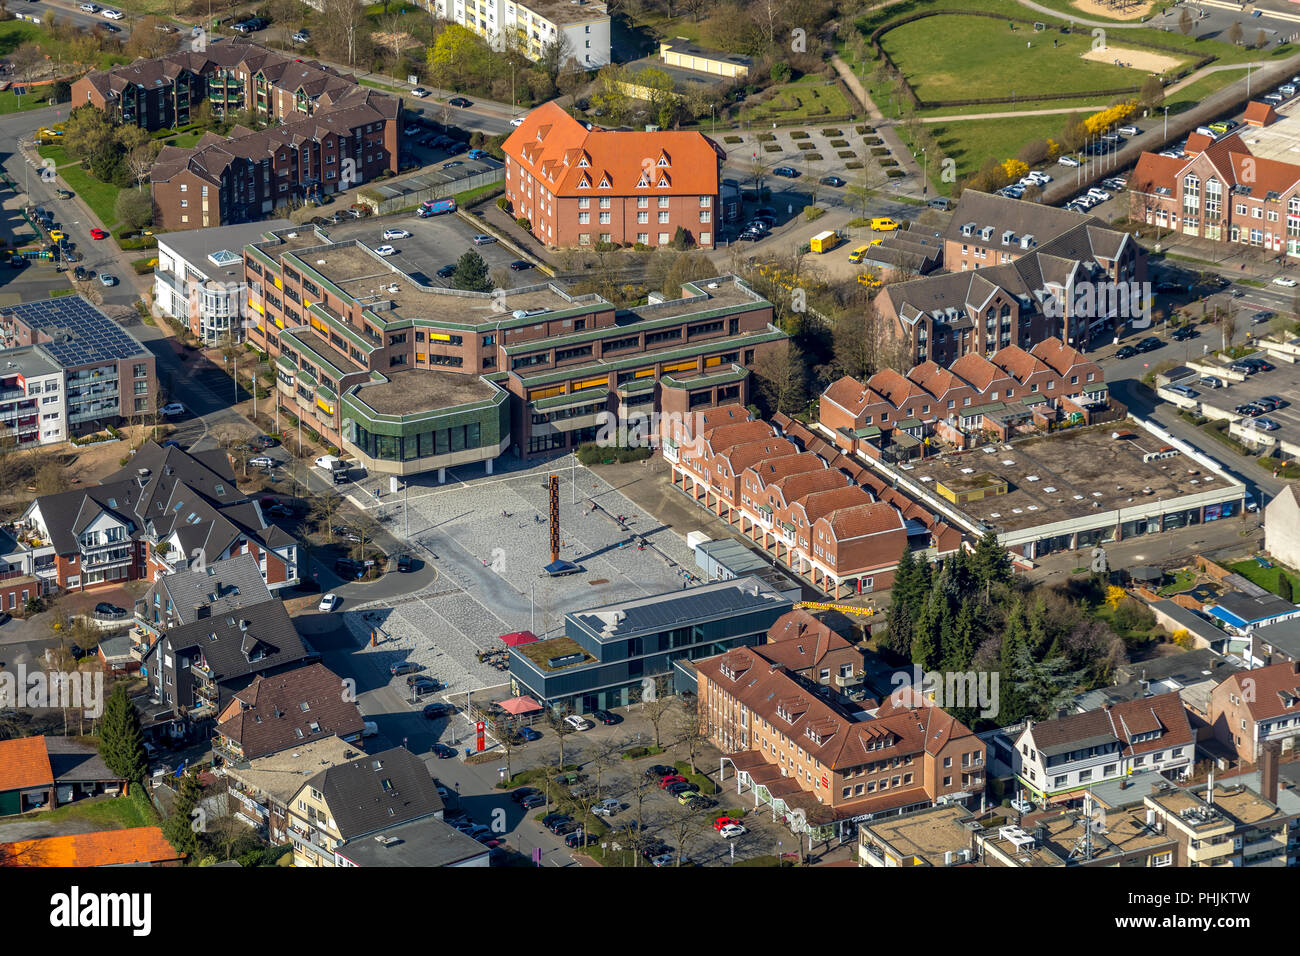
(651, 434)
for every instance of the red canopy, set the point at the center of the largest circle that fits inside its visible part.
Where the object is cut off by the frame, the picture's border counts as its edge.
(519, 637)
(518, 706)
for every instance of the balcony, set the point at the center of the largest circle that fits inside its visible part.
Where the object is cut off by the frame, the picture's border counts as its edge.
(206, 691)
(202, 711)
(202, 670)
(849, 681)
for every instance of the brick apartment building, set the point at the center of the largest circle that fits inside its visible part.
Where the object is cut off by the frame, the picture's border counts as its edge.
(411, 378)
(168, 510)
(579, 187)
(1254, 708)
(814, 510)
(1241, 188)
(70, 369)
(327, 132)
(1017, 274)
(804, 756)
(892, 415)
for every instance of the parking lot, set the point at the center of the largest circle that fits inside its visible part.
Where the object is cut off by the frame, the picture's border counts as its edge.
(1283, 382)
(434, 243)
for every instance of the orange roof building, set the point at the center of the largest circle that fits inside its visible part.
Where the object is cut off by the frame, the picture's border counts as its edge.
(135, 846)
(579, 186)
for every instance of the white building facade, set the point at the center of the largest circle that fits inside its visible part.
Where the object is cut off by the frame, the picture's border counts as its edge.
(531, 27)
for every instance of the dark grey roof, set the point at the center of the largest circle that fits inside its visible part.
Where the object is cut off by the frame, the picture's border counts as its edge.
(79, 333)
(665, 611)
(194, 245)
(1190, 667)
(1146, 573)
(220, 587)
(231, 642)
(1284, 636)
(72, 762)
(1195, 623)
(373, 793)
(426, 842)
(1250, 608)
(1017, 216)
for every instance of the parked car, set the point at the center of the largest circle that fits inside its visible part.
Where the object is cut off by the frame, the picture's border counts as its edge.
(110, 14)
(579, 838)
(731, 830)
(1129, 130)
(679, 787)
(419, 92)
(1149, 344)
(659, 770)
(104, 609)
(460, 102)
(1285, 282)
(725, 821)
(1258, 364)
(423, 685)
(484, 240)
(607, 807)
(404, 667)
(529, 734)
(786, 172)
(434, 711)
(477, 154)
(446, 272)
(98, 233)
(668, 780)
(520, 265)
(834, 181)
(517, 121)
(107, 279)
(1259, 318)
(173, 408)
(261, 461)
(1250, 410)
(605, 717)
(329, 602)
(577, 722)
(1068, 161)
(533, 802)
(1276, 402)
(561, 824)
(1184, 332)
(1242, 368)
(385, 251)
(664, 859)
(404, 563)
(396, 234)
(1267, 424)
(1184, 391)
(302, 36)
(1209, 381)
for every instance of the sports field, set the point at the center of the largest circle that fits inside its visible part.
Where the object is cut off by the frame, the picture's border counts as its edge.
(960, 57)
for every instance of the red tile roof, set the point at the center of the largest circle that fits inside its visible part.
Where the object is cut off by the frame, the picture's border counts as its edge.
(794, 487)
(1260, 114)
(102, 848)
(824, 502)
(740, 457)
(724, 437)
(975, 369)
(553, 147)
(894, 388)
(24, 763)
(1153, 171)
(1057, 355)
(934, 378)
(862, 520)
(1197, 143)
(774, 469)
(1275, 691)
(1017, 363)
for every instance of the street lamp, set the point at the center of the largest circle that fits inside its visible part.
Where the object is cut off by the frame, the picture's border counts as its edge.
(925, 176)
(1166, 109)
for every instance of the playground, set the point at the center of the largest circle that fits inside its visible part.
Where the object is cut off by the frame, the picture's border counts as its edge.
(1114, 9)
(1146, 60)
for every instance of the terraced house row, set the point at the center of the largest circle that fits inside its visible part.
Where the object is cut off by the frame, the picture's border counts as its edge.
(812, 508)
(410, 378)
(327, 133)
(894, 417)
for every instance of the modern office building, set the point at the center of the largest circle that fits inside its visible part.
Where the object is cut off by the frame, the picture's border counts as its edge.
(199, 278)
(610, 656)
(580, 27)
(580, 187)
(410, 378)
(70, 369)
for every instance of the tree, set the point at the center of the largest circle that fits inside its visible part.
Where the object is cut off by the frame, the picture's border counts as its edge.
(1261, 40)
(367, 529)
(655, 711)
(325, 507)
(392, 38)
(343, 23)
(1236, 34)
(134, 208)
(689, 728)
(555, 54)
(147, 40)
(561, 730)
(179, 828)
(1226, 320)
(685, 826)
(1152, 94)
(611, 96)
(992, 564)
(1284, 587)
(27, 61)
(507, 740)
(471, 273)
(87, 132)
(1185, 22)
(1075, 133)
(121, 741)
(781, 373)
(140, 162)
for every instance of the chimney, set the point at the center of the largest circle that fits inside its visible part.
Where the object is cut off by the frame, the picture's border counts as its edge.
(1268, 771)
(1295, 666)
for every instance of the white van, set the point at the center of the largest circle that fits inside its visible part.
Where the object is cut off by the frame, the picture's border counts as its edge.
(329, 462)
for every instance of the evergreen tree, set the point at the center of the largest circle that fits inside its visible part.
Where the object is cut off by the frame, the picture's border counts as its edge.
(1011, 659)
(1040, 687)
(179, 827)
(121, 741)
(960, 650)
(902, 596)
(471, 273)
(991, 562)
(925, 643)
(1036, 636)
(1284, 587)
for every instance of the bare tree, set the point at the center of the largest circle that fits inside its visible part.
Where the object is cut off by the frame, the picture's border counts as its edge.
(367, 529)
(507, 740)
(655, 711)
(561, 730)
(344, 22)
(324, 509)
(1226, 320)
(689, 728)
(685, 825)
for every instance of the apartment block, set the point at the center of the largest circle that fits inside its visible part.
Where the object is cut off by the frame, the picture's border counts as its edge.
(823, 768)
(580, 187)
(1243, 187)
(1017, 274)
(581, 27)
(199, 278)
(70, 370)
(1058, 760)
(1228, 824)
(410, 378)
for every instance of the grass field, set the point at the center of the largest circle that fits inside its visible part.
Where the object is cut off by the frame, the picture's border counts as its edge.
(14, 33)
(997, 61)
(971, 142)
(1196, 91)
(35, 100)
(100, 197)
(1265, 577)
(184, 140)
(807, 98)
(116, 813)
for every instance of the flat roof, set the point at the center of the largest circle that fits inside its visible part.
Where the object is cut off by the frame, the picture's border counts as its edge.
(1280, 141)
(418, 390)
(541, 652)
(195, 245)
(281, 775)
(27, 361)
(1240, 804)
(326, 351)
(565, 11)
(426, 842)
(1069, 474)
(365, 276)
(661, 612)
(79, 333)
(928, 834)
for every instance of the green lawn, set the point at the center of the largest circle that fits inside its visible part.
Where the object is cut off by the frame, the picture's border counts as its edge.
(34, 100)
(806, 98)
(1265, 577)
(114, 813)
(184, 140)
(1198, 90)
(971, 142)
(996, 61)
(1182, 581)
(99, 196)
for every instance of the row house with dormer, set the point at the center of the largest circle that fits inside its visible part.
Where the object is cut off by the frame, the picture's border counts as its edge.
(1257, 707)
(1057, 760)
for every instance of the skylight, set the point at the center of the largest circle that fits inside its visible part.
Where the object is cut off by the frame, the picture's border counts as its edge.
(224, 257)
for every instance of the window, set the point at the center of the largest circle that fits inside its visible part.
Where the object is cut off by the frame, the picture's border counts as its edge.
(1163, 859)
(663, 238)
(663, 202)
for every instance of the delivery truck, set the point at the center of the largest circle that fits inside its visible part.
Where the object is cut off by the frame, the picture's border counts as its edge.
(824, 241)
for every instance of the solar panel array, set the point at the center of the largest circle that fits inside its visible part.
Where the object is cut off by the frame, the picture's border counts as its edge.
(667, 610)
(80, 333)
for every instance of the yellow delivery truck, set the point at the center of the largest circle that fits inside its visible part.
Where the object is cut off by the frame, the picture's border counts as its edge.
(824, 241)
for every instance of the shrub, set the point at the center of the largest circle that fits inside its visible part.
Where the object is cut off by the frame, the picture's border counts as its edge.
(805, 146)
(853, 164)
(771, 148)
(523, 223)
(832, 132)
(813, 157)
(812, 213)
(895, 173)
(880, 151)
(732, 140)
(799, 134)
(503, 204)
(839, 144)
(766, 137)
(845, 154)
